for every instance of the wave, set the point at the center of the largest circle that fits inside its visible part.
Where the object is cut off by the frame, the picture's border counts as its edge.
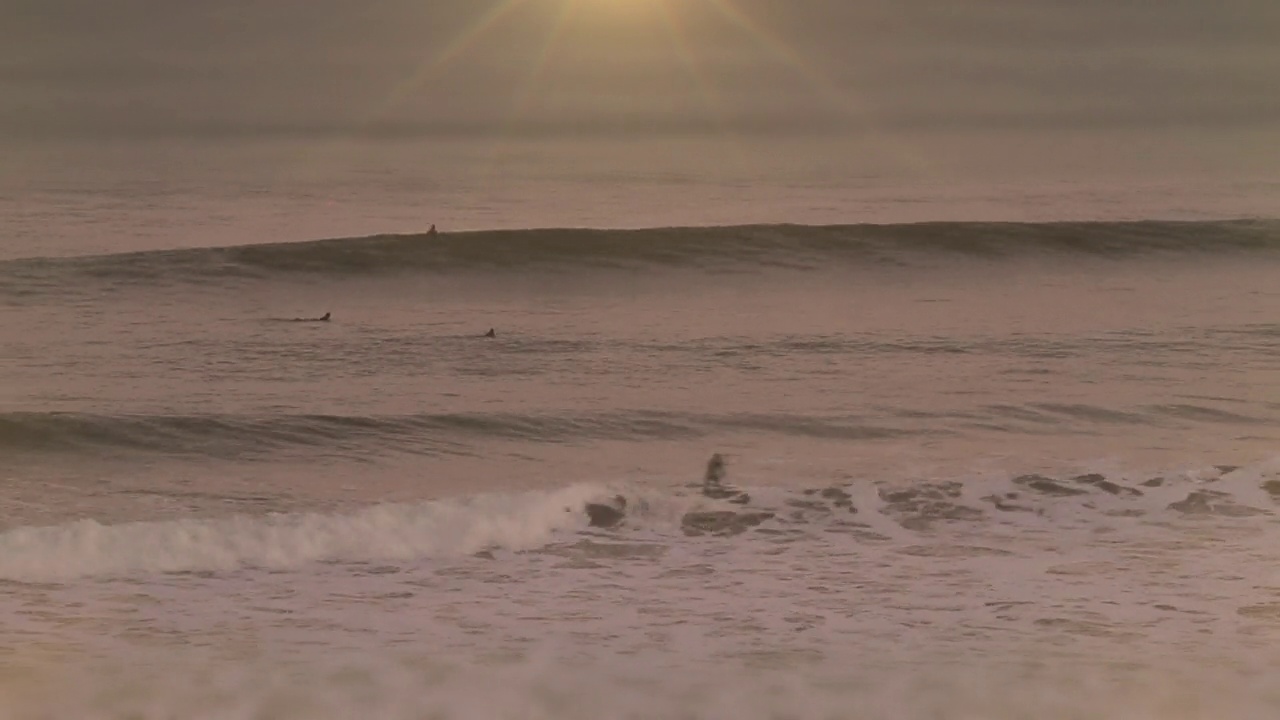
(238, 436)
(572, 520)
(710, 248)
(386, 533)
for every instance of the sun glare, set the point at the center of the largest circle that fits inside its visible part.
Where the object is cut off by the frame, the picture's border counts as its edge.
(621, 5)
(666, 17)
(640, 28)
(618, 11)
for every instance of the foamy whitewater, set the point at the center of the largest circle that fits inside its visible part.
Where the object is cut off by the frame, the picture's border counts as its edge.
(973, 470)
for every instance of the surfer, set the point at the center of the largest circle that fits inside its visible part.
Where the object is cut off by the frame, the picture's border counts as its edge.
(715, 473)
(322, 318)
(491, 333)
(713, 483)
(432, 231)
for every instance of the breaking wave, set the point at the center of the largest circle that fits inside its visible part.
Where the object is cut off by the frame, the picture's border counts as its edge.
(87, 548)
(725, 248)
(606, 521)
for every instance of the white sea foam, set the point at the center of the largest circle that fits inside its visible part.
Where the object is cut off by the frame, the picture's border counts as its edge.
(890, 509)
(1096, 604)
(87, 548)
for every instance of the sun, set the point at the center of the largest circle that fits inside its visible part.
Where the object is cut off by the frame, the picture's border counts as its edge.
(621, 4)
(626, 10)
(595, 34)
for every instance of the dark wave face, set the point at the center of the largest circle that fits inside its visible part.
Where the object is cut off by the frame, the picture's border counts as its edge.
(242, 436)
(237, 436)
(714, 248)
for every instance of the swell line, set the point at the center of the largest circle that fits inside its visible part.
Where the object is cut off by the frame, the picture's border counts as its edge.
(577, 250)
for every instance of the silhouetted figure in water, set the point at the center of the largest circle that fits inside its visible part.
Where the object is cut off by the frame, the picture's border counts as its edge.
(491, 333)
(716, 520)
(714, 487)
(322, 318)
(432, 232)
(715, 473)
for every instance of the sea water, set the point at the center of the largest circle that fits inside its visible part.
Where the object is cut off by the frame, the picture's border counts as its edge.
(975, 469)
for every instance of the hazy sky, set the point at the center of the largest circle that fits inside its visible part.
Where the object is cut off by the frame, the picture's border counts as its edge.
(636, 66)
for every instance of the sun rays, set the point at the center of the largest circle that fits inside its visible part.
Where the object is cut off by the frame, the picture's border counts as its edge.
(545, 46)
(685, 68)
(684, 46)
(434, 64)
(538, 64)
(784, 54)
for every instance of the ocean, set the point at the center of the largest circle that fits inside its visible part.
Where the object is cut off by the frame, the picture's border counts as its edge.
(990, 450)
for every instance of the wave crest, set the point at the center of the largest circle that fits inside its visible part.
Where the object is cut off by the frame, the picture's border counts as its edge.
(235, 436)
(727, 247)
(561, 522)
(88, 548)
